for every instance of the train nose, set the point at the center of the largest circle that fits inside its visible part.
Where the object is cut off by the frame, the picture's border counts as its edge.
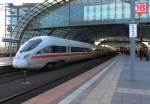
(20, 63)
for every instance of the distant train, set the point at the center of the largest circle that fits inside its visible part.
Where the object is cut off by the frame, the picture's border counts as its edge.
(42, 51)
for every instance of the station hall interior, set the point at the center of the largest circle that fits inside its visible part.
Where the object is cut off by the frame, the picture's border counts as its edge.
(103, 22)
(93, 52)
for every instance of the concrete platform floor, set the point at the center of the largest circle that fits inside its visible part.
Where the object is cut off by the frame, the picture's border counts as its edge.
(117, 83)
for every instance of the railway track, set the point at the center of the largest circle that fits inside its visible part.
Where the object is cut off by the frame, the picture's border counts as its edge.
(8, 73)
(10, 76)
(36, 88)
(6, 69)
(14, 75)
(42, 87)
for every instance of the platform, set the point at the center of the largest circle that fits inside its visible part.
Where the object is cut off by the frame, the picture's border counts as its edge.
(113, 82)
(5, 61)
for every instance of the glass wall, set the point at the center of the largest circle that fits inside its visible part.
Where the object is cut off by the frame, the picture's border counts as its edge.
(107, 11)
(12, 16)
(82, 12)
(58, 17)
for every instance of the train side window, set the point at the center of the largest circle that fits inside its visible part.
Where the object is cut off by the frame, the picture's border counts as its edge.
(45, 50)
(79, 49)
(75, 49)
(58, 49)
(52, 49)
(39, 52)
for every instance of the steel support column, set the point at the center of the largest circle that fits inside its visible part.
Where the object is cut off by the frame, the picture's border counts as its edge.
(132, 41)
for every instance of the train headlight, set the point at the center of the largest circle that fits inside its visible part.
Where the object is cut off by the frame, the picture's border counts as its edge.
(26, 56)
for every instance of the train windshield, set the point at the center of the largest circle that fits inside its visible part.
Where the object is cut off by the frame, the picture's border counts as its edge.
(31, 45)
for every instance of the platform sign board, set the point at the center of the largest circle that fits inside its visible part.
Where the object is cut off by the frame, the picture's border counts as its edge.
(10, 40)
(133, 30)
(141, 8)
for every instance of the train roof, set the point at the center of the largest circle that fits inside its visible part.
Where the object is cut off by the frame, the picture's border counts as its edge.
(63, 42)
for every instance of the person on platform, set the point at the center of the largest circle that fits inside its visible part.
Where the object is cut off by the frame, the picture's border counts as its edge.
(145, 53)
(140, 53)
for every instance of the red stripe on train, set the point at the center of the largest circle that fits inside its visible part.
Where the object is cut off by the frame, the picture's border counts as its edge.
(53, 56)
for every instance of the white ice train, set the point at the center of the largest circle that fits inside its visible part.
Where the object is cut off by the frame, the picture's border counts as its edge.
(44, 50)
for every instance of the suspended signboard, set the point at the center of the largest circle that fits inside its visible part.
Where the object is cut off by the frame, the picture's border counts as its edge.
(10, 40)
(133, 30)
(141, 8)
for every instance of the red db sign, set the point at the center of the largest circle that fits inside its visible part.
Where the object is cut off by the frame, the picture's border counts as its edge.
(141, 7)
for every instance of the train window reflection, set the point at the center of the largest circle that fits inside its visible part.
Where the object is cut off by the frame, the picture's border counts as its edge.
(58, 49)
(53, 49)
(79, 49)
(31, 45)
